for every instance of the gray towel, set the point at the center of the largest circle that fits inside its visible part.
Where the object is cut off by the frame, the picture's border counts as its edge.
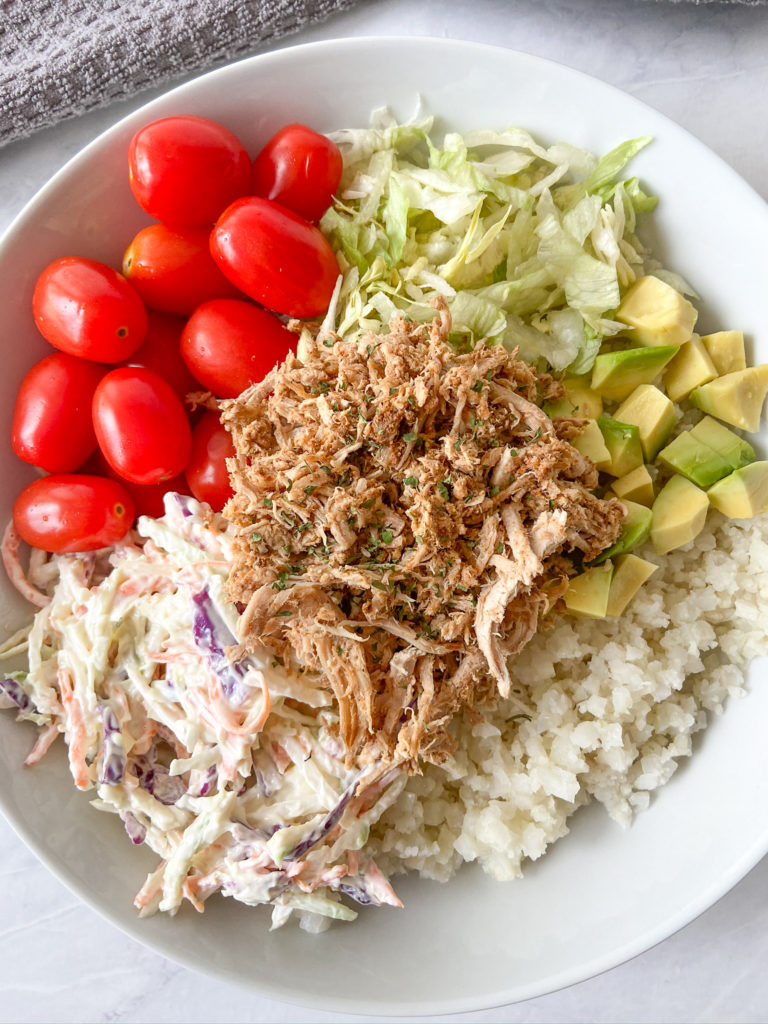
(59, 58)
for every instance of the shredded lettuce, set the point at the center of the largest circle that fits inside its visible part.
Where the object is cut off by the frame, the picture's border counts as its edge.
(530, 245)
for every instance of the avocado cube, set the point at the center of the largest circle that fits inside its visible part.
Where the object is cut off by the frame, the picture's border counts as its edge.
(615, 375)
(694, 460)
(587, 595)
(629, 574)
(635, 530)
(590, 443)
(734, 449)
(735, 397)
(656, 313)
(691, 367)
(679, 514)
(623, 443)
(744, 493)
(579, 401)
(653, 413)
(726, 350)
(636, 486)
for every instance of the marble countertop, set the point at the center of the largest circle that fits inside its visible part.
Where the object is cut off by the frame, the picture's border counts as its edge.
(706, 66)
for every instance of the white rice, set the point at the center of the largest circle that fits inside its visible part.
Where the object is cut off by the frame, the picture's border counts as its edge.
(613, 703)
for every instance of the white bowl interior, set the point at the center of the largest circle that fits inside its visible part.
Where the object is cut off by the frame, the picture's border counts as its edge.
(602, 894)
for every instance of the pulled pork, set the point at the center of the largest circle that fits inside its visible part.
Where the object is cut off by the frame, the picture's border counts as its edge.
(404, 518)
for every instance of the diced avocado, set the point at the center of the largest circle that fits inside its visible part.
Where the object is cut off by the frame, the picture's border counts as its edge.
(653, 413)
(616, 374)
(590, 443)
(734, 449)
(736, 397)
(726, 350)
(579, 401)
(695, 460)
(635, 530)
(587, 595)
(679, 514)
(657, 313)
(623, 443)
(636, 486)
(744, 493)
(691, 367)
(629, 574)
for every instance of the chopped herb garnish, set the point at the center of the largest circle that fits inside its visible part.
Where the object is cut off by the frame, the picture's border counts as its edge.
(345, 478)
(255, 537)
(284, 613)
(494, 491)
(309, 489)
(327, 470)
(412, 402)
(327, 342)
(386, 536)
(267, 503)
(368, 503)
(410, 481)
(380, 586)
(500, 548)
(478, 385)
(289, 485)
(443, 491)
(410, 437)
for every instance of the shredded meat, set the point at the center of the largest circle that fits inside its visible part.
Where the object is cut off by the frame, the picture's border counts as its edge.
(405, 516)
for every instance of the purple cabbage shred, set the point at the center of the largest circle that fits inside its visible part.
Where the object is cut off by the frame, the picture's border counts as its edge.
(17, 694)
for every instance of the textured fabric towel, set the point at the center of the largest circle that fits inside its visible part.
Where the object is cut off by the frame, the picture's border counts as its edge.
(59, 58)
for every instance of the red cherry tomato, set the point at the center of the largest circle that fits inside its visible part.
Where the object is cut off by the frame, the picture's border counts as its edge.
(172, 269)
(276, 257)
(87, 309)
(141, 425)
(207, 472)
(52, 426)
(147, 498)
(66, 512)
(186, 170)
(228, 345)
(299, 169)
(161, 352)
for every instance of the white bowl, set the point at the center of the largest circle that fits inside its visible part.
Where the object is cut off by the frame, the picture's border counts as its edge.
(601, 895)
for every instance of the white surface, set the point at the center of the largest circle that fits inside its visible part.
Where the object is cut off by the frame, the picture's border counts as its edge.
(706, 69)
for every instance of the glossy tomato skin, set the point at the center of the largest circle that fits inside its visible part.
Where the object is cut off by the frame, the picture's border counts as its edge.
(299, 169)
(185, 170)
(87, 309)
(52, 426)
(207, 472)
(275, 257)
(147, 498)
(141, 426)
(173, 271)
(161, 352)
(228, 345)
(69, 512)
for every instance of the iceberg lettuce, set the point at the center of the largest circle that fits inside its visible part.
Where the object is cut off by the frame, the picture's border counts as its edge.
(530, 245)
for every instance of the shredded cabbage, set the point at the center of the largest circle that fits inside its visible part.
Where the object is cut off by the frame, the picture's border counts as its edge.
(528, 244)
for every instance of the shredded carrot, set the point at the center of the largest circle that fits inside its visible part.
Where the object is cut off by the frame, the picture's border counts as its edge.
(189, 889)
(73, 714)
(42, 744)
(9, 551)
(151, 888)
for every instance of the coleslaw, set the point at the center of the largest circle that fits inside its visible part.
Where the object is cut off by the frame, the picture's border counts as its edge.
(229, 771)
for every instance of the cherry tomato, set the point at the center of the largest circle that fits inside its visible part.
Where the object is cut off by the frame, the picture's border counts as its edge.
(87, 309)
(228, 345)
(67, 512)
(147, 498)
(186, 170)
(172, 269)
(207, 472)
(141, 425)
(160, 352)
(299, 169)
(275, 256)
(52, 426)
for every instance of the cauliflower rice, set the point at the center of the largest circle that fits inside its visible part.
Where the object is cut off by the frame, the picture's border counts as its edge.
(617, 704)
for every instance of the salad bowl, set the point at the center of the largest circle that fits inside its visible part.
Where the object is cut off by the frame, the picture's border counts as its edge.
(602, 894)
